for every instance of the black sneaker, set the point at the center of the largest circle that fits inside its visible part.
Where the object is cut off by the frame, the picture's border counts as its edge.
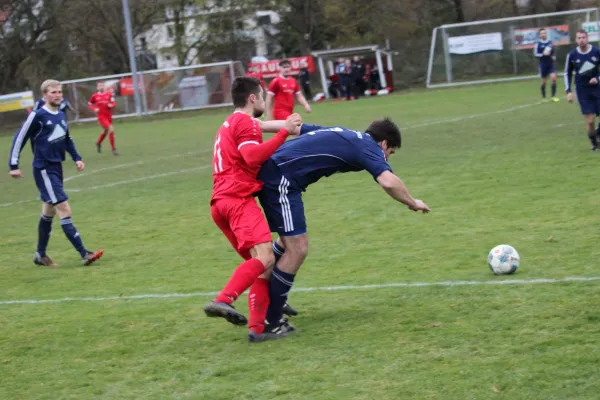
(224, 310)
(272, 332)
(263, 337)
(289, 310)
(99, 147)
(288, 327)
(594, 148)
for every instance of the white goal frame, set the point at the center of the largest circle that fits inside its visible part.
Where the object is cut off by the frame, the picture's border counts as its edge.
(588, 12)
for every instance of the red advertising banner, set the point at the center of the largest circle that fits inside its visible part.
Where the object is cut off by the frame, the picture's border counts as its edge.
(270, 69)
(126, 86)
(526, 38)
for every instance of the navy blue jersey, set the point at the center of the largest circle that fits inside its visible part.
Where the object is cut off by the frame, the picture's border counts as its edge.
(321, 152)
(538, 51)
(49, 136)
(64, 105)
(585, 65)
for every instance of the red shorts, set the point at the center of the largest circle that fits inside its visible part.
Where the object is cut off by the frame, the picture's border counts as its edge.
(105, 121)
(281, 114)
(242, 221)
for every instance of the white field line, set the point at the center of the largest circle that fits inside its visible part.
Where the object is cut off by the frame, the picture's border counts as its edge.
(319, 289)
(466, 117)
(144, 178)
(133, 164)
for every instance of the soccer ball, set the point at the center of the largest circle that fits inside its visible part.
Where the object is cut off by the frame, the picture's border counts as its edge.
(503, 260)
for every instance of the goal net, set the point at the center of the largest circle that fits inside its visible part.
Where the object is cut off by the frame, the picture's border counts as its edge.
(166, 90)
(502, 49)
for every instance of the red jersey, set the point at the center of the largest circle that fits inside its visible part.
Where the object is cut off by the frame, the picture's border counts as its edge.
(103, 102)
(284, 90)
(232, 176)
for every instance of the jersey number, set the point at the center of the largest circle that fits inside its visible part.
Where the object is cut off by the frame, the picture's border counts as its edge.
(218, 159)
(358, 134)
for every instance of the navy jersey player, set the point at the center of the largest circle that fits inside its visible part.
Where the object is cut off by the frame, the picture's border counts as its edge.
(64, 105)
(319, 152)
(584, 62)
(544, 51)
(50, 140)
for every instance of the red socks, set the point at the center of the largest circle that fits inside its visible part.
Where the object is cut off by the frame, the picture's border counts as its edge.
(242, 278)
(258, 304)
(101, 138)
(111, 137)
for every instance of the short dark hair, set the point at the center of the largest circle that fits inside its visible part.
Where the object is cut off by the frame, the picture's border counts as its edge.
(283, 62)
(385, 129)
(541, 29)
(583, 31)
(242, 88)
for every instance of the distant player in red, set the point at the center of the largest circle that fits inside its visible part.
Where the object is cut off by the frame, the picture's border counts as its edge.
(258, 76)
(239, 152)
(102, 102)
(282, 91)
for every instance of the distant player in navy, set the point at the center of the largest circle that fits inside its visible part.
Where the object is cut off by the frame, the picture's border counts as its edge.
(64, 105)
(545, 52)
(47, 128)
(319, 152)
(584, 62)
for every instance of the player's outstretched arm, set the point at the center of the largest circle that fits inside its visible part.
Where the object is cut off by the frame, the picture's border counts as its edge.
(255, 154)
(396, 189)
(276, 125)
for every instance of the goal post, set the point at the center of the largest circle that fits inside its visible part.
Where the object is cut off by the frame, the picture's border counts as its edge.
(192, 87)
(499, 50)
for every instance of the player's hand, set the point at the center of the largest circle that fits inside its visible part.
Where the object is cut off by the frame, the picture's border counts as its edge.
(307, 108)
(570, 97)
(17, 174)
(594, 81)
(420, 206)
(292, 123)
(80, 165)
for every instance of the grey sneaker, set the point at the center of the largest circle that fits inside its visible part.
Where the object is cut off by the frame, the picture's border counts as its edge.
(224, 310)
(115, 152)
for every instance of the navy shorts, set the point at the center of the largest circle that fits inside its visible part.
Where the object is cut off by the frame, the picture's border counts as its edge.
(49, 181)
(546, 70)
(281, 201)
(589, 100)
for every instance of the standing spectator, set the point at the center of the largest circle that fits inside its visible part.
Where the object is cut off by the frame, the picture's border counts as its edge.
(348, 77)
(305, 83)
(374, 78)
(358, 74)
(340, 70)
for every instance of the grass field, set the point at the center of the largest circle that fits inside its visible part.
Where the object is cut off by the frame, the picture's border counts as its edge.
(495, 166)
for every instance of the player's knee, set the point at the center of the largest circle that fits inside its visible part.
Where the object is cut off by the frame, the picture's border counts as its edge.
(264, 252)
(296, 246)
(63, 209)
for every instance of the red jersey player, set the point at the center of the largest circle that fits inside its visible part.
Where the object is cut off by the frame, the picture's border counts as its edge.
(239, 152)
(258, 76)
(102, 102)
(282, 90)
